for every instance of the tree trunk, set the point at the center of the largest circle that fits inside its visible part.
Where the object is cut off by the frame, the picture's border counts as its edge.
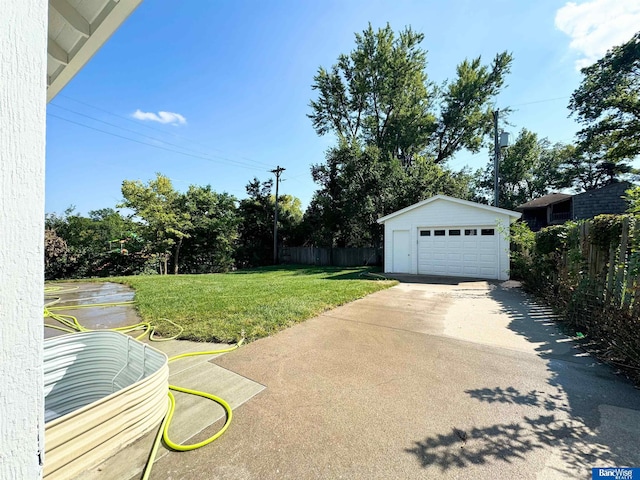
(176, 256)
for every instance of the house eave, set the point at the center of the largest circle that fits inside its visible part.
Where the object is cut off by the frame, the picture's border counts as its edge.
(74, 39)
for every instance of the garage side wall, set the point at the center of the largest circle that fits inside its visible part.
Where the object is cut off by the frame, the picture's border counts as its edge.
(443, 213)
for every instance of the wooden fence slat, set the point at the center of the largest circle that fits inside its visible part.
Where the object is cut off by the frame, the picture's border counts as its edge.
(633, 282)
(622, 262)
(611, 273)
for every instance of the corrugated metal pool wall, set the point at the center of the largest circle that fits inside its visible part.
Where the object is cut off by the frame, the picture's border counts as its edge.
(103, 390)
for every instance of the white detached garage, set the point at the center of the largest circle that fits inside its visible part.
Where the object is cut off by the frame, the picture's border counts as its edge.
(448, 236)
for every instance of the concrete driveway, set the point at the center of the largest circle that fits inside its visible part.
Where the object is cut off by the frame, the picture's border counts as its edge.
(424, 380)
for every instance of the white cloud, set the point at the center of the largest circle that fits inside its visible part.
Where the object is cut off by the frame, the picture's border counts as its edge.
(161, 117)
(597, 25)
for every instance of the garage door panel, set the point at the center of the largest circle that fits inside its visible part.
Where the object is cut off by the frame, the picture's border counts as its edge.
(489, 272)
(467, 270)
(459, 255)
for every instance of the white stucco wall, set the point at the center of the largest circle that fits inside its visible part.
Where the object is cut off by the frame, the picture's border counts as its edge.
(23, 47)
(444, 213)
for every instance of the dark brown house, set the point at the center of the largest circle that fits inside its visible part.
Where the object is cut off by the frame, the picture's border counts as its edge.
(557, 208)
(552, 209)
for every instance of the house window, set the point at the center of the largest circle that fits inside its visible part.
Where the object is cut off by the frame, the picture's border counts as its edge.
(454, 233)
(471, 231)
(487, 231)
(425, 233)
(438, 233)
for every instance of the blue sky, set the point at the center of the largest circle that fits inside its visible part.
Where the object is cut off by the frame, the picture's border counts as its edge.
(234, 80)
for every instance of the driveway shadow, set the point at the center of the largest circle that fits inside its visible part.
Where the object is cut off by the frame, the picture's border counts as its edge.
(585, 416)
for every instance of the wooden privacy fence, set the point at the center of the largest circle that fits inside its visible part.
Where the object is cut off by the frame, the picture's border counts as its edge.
(608, 256)
(590, 272)
(622, 266)
(339, 257)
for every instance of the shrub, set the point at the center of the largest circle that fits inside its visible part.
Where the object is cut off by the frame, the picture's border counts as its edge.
(572, 268)
(522, 243)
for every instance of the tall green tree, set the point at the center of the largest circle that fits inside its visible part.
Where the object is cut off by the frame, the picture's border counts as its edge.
(379, 94)
(395, 132)
(585, 168)
(111, 227)
(255, 242)
(256, 212)
(211, 244)
(530, 168)
(466, 117)
(289, 220)
(607, 104)
(357, 186)
(166, 222)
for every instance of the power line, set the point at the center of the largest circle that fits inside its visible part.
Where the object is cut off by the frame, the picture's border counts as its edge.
(149, 136)
(115, 114)
(540, 101)
(164, 132)
(297, 176)
(141, 142)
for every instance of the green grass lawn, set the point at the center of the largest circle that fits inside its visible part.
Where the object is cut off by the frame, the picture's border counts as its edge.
(260, 302)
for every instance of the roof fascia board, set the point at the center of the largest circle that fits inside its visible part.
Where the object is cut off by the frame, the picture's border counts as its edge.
(459, 201)
(118, 14)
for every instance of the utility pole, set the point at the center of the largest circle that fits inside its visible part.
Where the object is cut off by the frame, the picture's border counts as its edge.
(277, 171)
(496, 157)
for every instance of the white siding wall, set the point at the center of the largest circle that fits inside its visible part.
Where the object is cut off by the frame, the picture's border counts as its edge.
(444, 213)
(23, 56)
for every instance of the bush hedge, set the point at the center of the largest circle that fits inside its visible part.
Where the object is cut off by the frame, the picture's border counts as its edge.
(588, 271)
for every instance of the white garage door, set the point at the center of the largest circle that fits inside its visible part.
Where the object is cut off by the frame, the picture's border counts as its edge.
(458, 251)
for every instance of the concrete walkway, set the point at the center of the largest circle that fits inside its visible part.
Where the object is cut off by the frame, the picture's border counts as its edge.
(462, 379)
